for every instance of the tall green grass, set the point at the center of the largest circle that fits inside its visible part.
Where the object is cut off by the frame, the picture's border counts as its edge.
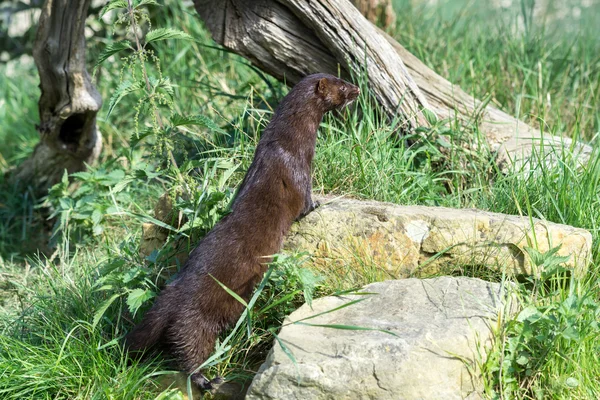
(547, 73)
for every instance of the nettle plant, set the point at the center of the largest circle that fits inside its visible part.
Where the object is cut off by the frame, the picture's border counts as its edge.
(82, 208)
(141, 75)
(83, 203)
(99, 192)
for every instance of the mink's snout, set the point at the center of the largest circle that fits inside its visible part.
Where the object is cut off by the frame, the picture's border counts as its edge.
(353, 92)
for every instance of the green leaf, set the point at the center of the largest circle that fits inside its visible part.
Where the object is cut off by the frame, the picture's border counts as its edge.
(166, 33)
(548, 260)
(537, 258)
(284, 299)
(348, 327)
(572, 382)
(82, 176)
(125, 88)
(309, 282)
(231, 292)
(430, 116)
(443, 142)
(136, 138)
(181, 120)
(97, 216)
(522, 360)
(137, 297)
(131, 274)
(285, 349)
(145, 173)
(111, 49)
(122, 185)
(103, 307)
(348, 304)
(530, 314)
(97, 230)
(104, 287)
(113, 5)
(147, 2)
(114, 342)
(226, 175)
(198, 120)
(65, 178)
(570, 333)
(165, 84)
(80, 216)
(153, 256)
(142, 218)
(112, 178)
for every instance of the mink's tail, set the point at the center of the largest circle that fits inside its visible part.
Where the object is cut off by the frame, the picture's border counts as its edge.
(150, 331)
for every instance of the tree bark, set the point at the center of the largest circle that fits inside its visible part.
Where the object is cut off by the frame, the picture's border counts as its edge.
(290, 39)
(69, 101)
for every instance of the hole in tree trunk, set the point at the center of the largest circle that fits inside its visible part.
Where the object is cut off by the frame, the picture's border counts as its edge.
(71, 130)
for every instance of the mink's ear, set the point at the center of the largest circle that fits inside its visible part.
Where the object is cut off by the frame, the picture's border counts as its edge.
(322, 86)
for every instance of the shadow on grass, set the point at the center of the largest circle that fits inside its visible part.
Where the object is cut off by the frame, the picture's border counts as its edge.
(24, 227)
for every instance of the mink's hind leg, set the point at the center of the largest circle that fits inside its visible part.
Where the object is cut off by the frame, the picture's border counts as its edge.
(193, 346)
(204, 383)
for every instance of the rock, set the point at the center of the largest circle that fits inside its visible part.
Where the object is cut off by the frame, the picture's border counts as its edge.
(409, 240)
(412, 240)
(441, 327)
(153, 238)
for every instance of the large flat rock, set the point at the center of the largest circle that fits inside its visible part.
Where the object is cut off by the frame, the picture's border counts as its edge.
(408, 240)
(440, 327)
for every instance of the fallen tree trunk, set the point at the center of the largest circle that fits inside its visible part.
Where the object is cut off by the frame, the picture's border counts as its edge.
(513, 140)
(290, 39)
(272, 37)
(69, 101)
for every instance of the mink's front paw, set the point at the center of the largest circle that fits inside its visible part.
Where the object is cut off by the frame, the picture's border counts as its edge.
(307, 210)
(315, 205)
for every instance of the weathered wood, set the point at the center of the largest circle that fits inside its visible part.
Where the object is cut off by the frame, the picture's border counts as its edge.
(69, 101)
(270, 36)
(287, 39)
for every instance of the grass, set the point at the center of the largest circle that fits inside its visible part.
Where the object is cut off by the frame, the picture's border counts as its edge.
(546, 74)
(546, 71)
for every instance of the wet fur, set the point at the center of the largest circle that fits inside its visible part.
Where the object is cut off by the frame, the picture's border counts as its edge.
(193, 309)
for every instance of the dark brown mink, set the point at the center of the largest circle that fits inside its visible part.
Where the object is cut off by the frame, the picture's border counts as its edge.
(193, 309)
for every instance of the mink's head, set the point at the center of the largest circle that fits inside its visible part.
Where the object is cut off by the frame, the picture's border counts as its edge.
(334, 92)
(323, 91)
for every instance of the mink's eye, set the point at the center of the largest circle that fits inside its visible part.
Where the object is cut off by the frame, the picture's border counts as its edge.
(343, 89)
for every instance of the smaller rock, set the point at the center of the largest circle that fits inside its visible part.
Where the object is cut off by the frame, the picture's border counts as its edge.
(440, 328)
(153, 238)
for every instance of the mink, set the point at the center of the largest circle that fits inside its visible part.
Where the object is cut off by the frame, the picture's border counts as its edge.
(192, 310)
